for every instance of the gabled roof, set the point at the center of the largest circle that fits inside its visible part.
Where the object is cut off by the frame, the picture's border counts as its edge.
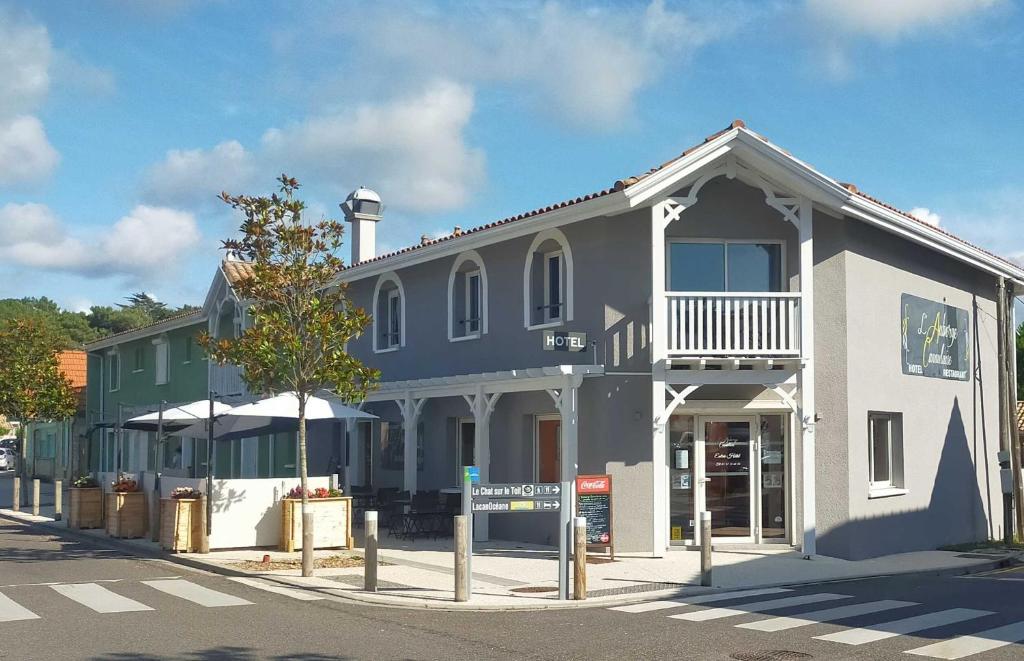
(235, 270)
(840, 194)
(170, 323)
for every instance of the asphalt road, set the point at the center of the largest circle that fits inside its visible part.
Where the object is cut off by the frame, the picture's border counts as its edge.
(86, 602)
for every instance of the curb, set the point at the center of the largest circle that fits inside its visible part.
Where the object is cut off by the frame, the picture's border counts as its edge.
(383, 601)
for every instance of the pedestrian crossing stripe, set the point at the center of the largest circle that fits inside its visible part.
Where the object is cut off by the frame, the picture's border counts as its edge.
(696, 600)
(883, 630)
(828, 615)
(757, 607)
(263, 584)
(983, 641)
(99, 598)
(197, 594)
(12, 611)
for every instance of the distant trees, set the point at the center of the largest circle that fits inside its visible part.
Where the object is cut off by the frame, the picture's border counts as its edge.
(73, 329)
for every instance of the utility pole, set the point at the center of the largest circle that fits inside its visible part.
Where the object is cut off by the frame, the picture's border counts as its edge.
(1008, 441)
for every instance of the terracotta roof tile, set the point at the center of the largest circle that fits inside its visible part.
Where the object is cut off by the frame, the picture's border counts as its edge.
(236, 270)
(73, 367)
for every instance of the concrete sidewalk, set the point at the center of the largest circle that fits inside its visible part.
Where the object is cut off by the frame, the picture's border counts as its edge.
(511, 576)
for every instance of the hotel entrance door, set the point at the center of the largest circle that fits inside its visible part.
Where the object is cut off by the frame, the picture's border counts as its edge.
(735, 467)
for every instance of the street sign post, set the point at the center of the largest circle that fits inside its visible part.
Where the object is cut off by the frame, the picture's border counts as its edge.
(525, 497)
(470, 476)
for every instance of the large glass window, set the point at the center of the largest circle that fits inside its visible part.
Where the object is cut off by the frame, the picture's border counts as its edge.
(682, 463)
(724, 266)
(773, 476)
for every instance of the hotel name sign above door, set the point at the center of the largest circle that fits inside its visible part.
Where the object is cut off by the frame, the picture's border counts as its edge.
(936, 339)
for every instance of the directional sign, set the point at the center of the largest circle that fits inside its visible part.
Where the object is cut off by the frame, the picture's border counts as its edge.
(528, 490)
(533, 505)
(471, 472)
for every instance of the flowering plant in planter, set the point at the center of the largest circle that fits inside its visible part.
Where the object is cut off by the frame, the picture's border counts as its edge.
(186, 493)
(319, 492)
(85, 482)
(124, 484)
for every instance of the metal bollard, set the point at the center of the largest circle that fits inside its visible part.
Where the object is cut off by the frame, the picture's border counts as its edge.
(16, 500)
(307, 544)
(35, 497)
(58, 499)
(579, 560)
(204, 540)
(705, 549)
(461, 557)
(370, 551)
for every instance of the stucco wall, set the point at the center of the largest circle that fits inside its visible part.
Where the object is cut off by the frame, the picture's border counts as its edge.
(950, 428)
(611, 259)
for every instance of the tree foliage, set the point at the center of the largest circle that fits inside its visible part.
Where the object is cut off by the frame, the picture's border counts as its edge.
(302, 318)
(32, 386)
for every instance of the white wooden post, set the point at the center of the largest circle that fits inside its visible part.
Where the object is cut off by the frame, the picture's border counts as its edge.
(411, 409)
(659, 354)
(568, 408)
(806, 375)
(482, 406)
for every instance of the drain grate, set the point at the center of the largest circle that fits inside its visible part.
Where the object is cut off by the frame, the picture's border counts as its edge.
(770, 655)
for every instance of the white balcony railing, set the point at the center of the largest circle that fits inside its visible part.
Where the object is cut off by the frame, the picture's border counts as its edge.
(733, 324)
(226, 381)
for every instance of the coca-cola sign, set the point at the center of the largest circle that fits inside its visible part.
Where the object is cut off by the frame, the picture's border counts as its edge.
(593, 484)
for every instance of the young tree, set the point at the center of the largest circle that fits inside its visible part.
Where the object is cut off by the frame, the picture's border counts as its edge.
(302, 318)
(32, 387)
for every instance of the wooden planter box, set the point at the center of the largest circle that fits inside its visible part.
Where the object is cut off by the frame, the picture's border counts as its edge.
(86, 508)
(181, 524)
(332, 523)
(127, 515)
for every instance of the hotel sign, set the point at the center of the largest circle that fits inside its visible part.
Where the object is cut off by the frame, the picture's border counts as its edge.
(564, 341)
(936, 339)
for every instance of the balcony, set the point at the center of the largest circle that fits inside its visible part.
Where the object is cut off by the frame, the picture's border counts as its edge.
(733, 324)
(226, 381)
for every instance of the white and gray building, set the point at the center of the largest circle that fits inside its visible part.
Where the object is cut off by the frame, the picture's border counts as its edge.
(814, 367)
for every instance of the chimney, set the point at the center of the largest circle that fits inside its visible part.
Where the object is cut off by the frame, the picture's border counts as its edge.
(363, 209)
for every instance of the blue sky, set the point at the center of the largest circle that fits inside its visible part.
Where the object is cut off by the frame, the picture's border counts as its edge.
(121, 120)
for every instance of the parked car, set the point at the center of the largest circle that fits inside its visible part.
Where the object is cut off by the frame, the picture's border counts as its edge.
(7, 459)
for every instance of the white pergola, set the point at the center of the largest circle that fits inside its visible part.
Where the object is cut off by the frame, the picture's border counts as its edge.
(481, 393)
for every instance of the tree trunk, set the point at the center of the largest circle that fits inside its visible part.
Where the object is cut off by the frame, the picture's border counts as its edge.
(307, 550)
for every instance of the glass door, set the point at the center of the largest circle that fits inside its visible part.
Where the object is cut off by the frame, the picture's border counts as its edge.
(682, 487)
(728, 492)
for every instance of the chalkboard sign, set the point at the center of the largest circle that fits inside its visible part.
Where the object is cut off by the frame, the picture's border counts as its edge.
(936, 339)
(594, 501)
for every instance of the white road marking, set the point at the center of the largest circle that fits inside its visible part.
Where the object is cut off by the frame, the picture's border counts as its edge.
(99, 598)
(976, 643)
(197, 594)
(757, 607)
(829, 615)
(647, 606)
(884, 630)
(11, 611)
(262, 584)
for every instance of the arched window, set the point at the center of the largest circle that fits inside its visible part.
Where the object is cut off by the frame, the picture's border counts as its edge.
(548, 281)
(467, 297)
(388, 313)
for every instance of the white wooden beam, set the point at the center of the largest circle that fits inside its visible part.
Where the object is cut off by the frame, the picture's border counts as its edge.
(805, 377)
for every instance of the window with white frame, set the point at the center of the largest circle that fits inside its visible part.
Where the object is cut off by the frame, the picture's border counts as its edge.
(113, 371)
(140, 358)
(720, 266)
(389, 314)
(548, 281)
(885, 453)
(467, 298)
(161, 349)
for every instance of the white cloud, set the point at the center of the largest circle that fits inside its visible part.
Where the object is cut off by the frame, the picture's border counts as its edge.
(926, 215)
(584, 64)
(411, 150)
(195, 177)
(889, 19)
(25, 55)
(26, 154)
(142, 246)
